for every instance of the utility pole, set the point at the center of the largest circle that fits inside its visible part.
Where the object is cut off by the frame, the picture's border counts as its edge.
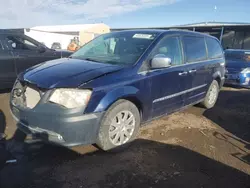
(215, 10)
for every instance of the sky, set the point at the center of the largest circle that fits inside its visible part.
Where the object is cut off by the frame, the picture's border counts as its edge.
(120, 13)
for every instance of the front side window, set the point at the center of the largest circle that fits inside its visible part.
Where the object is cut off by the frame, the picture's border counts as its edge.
(171, 48)
(121, 48)
(20, 43)
(195, 48)
(213, 48)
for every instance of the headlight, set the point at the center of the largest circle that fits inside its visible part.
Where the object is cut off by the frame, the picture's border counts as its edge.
(71, 98)
(245, 71)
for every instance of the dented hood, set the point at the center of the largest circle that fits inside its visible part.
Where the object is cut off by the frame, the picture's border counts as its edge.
(66, 73)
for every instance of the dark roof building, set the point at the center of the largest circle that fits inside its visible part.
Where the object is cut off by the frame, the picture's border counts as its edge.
(233, 35)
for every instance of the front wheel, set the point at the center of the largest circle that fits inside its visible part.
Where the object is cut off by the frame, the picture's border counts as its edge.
(212, 95)
(119, 126)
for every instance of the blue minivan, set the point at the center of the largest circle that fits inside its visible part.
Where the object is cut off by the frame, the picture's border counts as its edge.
(105, 91)
(237, 67)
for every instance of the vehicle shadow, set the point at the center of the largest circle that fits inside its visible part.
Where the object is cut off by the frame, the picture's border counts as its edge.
(243, 154)
(144, 164)
(232, 113)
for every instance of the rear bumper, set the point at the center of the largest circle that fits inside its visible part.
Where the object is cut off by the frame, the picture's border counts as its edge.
(235, 83)
(63, 130)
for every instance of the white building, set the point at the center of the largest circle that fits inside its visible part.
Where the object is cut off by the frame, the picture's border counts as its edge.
(64, 33)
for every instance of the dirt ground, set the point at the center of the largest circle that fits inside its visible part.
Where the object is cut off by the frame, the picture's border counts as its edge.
(192, 148)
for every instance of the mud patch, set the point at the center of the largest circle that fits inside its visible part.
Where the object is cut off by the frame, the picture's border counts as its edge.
(179, 120)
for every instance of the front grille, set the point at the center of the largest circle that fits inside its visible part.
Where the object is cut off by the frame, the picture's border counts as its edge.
(25, 95)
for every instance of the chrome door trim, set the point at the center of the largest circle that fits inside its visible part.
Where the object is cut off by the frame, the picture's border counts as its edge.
(178, 94)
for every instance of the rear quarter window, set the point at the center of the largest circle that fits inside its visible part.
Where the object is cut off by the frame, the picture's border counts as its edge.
(195, 48)
(214, 48)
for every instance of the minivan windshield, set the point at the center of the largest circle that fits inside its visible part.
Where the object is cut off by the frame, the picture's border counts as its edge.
(120, 48)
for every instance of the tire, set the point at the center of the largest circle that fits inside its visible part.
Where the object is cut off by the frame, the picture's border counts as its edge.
(111, 123)
(212, 95)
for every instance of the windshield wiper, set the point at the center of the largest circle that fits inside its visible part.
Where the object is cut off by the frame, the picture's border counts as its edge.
(90, 59)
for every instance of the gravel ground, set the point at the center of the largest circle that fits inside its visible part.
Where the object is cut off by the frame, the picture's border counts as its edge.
(192, 148)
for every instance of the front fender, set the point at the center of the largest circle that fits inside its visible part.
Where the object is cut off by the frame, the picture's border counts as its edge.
(217, 74)
(114, 95)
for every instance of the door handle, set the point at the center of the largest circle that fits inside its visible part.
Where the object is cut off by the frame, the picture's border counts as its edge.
(192, 71)
(182, 73)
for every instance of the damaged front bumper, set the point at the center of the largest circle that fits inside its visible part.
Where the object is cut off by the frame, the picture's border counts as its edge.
(68, 129)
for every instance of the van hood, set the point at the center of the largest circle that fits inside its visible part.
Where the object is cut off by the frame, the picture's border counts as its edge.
(66, 73)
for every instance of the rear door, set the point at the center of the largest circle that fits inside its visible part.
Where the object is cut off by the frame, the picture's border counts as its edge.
(7, 66)
(168, 84)
(198, 67)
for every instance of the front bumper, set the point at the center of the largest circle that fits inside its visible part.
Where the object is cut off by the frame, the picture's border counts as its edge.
(70, 129)
(239, 79)
(236, 83)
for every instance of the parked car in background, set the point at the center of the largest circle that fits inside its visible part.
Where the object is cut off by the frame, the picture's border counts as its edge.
(56, 46)
(19, 52)
(238, 67)
(107, 89)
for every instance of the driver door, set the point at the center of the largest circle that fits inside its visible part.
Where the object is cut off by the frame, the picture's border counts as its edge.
(25, 52)
(168, 85)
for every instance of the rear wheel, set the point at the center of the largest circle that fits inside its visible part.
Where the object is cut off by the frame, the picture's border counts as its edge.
(212, 95)
(119, 126)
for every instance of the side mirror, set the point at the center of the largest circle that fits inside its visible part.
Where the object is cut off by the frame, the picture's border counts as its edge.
(160, 61)
(41, 49)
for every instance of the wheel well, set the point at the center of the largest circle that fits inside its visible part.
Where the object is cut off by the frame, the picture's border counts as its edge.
(218, 79)
(136, 102)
